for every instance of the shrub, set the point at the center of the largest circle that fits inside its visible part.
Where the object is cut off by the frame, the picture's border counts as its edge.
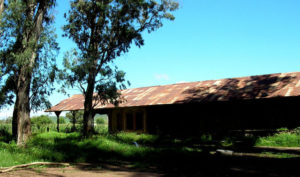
(286, 139)
(5, 132)
(100, 120)
(62, 120)
(41, 120)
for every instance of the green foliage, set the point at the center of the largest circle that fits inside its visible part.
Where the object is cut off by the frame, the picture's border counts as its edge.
(11, 155)
(284, 139)
(138, 138)
(282, 129)
(104, 147)
(41, 120)
(27, 49)
(63, 147)
(100, 120)
(62, 120)
(103, 31)
(75, 116)
(5, 132)
(278, 155)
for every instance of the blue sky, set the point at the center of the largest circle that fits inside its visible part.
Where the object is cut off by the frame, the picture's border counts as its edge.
(212, 39)
(209, 39)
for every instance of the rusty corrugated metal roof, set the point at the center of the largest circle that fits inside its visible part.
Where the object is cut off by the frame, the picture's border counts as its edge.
(252, 87)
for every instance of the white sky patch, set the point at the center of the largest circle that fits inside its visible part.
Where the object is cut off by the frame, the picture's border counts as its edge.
(181, 82)
(8, 112)
(161, 77)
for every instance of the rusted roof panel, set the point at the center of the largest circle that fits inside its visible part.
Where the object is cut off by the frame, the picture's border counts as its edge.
(252, 87)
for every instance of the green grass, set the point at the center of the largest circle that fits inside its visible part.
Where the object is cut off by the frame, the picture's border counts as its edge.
(132, 137)
(71, 147)
(12, 155)
(278, 155)
(61, 147)
(284, 139)
(124, 146)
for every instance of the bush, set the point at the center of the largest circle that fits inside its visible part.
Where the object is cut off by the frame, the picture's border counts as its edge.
(41, 120)
(100, 120)
(62, 120)
(285, 139)
(5, 132)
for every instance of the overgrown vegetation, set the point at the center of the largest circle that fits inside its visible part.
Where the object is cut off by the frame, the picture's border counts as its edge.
(284, 139)
(139, 149)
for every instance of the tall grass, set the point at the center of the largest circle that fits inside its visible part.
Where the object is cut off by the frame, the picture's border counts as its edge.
(284, 139)
(6, 129)
(123, 146)
(60, 147)
(5, 132)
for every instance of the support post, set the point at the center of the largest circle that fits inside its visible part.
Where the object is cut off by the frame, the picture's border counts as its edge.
(57, 113)
(110, 117)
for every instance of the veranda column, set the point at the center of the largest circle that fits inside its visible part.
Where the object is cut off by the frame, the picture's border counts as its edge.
(57, 123)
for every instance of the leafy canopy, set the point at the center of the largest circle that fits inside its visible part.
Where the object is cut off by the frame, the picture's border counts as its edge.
(18, 43)
(104, 30)
(41, 120)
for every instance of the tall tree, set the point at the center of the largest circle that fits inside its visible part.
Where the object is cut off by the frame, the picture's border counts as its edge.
(27, 58)
(103, 30)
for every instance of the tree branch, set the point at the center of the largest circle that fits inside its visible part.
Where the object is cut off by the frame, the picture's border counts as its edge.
(82, 88)
(30, 164)
(37, 88)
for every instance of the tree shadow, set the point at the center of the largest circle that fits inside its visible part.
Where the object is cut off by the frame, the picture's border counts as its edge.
(179, 160)
(230, 107)
(248, 88)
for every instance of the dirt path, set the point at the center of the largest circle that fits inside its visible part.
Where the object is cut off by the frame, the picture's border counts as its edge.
(81, 170)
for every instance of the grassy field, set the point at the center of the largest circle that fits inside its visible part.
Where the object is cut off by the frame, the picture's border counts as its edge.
(139, 150)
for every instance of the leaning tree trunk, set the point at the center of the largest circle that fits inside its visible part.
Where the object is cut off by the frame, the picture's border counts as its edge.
(21, 115)
(1, 6)
(1, 10)
(88, 117)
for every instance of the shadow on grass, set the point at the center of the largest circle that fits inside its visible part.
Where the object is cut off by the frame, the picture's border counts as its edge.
(108, 153)
(5, 135)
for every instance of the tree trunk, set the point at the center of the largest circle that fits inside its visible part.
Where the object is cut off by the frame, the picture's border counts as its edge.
(15, 119)
(88, 117)
(1, 10)
(1, 6)
(21, 115)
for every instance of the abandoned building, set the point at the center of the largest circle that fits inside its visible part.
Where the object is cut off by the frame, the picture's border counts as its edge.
(254, 102)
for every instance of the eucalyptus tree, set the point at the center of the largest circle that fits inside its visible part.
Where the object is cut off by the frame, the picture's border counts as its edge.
(27, 57)
(103, 30)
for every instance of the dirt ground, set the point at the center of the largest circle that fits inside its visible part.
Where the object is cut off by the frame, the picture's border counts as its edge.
(81, 170)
